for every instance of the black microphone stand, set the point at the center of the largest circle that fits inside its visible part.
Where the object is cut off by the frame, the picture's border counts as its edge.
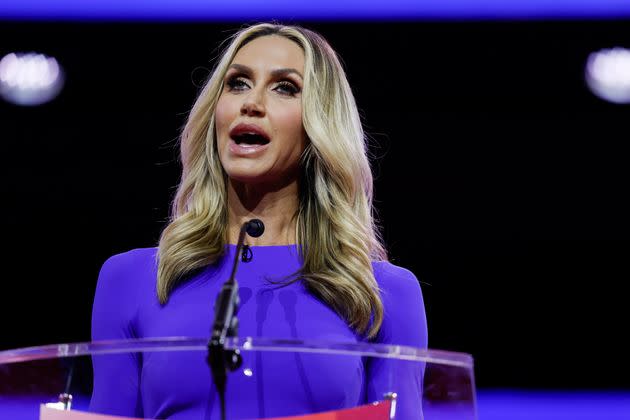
(225, 321)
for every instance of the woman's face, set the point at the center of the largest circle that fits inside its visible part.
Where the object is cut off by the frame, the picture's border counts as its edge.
(260, 135)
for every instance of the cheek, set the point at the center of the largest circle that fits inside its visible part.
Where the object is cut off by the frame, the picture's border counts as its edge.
(223, 115)
(291, 125)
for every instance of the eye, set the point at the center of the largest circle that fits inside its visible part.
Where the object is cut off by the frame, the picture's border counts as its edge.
(237, 83)
(286, 87)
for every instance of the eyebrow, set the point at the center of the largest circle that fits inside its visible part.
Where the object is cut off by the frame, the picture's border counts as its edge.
(274, 73)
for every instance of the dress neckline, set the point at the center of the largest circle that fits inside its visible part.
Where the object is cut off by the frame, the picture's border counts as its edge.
(233, 246)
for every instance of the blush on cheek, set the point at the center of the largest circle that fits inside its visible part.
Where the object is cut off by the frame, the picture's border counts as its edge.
(222, 118)
(219, 115)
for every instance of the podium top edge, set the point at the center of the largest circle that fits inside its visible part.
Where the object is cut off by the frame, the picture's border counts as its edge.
(245, 344)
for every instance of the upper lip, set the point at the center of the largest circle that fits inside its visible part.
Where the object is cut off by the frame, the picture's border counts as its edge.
(244, 128)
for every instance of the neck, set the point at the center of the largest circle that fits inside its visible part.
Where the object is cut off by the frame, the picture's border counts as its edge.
(276, 207)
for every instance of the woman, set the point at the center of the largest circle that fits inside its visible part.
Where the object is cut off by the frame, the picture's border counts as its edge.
(274, 135)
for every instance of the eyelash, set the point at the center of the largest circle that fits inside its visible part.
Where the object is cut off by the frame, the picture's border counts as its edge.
(236, 83)
(290, 87)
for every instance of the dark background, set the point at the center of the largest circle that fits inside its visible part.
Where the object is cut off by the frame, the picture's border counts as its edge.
(501, 182)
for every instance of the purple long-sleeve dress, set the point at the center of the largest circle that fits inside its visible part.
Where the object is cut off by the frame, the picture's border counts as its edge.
(179, 386)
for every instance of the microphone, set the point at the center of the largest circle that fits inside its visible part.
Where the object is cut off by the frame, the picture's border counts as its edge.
(225, 321)
(254, 229)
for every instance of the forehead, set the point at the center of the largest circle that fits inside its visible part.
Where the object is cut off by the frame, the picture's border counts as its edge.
(271, 51)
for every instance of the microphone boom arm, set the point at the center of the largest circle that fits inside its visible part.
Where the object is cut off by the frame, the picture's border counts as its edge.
(225, 321)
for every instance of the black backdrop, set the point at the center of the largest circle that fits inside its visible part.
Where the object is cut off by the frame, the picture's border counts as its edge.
(501, 181)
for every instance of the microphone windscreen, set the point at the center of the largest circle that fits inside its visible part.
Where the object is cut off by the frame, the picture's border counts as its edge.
(255, 228)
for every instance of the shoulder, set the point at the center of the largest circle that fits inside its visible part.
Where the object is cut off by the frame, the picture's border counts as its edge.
(132, 260)
(124, 281)
(394, 280)
(130, 267)
(404, 318)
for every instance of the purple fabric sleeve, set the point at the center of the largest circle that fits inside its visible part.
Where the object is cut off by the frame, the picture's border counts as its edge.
(117, 377)
(404, 323)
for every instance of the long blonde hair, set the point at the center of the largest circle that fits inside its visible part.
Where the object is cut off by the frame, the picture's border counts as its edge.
(335, 223)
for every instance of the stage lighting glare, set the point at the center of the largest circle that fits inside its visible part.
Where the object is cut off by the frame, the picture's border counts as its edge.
(608, 74)
(30, 79)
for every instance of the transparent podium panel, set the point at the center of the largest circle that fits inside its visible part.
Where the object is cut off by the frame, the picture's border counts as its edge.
(266, 379)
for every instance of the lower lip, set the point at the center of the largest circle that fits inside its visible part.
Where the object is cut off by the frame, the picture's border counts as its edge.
(246, 149)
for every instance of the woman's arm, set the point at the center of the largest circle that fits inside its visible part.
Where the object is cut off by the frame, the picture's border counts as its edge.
(116, 377)
(404, 323)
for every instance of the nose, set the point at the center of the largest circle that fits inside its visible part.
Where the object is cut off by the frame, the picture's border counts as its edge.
(253, 104)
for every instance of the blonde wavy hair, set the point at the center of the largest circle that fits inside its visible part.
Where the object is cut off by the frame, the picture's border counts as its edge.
(335, 224)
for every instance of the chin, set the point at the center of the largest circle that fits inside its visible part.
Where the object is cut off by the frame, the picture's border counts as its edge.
(246, 176)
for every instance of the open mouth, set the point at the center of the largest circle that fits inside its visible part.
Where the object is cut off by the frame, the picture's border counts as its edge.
(249, 139)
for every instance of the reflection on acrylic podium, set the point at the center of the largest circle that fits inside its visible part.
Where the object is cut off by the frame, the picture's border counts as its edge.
(278, 379)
